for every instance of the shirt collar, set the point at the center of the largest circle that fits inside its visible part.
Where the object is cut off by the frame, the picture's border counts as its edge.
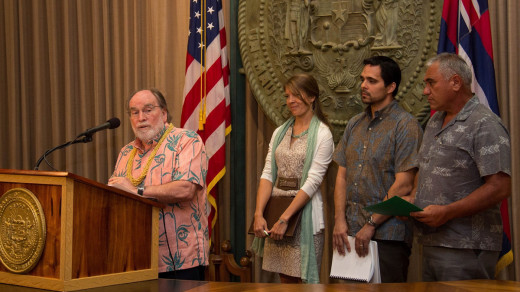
(462, 115)
(468, 108)
(382, 112)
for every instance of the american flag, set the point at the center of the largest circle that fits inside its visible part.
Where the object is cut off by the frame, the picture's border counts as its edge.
(206, 107)
(466, 31)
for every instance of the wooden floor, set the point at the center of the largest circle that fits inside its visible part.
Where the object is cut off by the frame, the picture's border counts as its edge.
(163, 285)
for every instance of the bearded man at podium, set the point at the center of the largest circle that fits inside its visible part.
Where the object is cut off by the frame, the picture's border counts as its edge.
(168, 164)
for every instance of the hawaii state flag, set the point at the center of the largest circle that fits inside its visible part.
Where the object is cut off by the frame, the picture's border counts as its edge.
(206, 106)
(466, 31)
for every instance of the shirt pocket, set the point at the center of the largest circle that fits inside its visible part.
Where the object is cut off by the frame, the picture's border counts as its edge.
(453, 158)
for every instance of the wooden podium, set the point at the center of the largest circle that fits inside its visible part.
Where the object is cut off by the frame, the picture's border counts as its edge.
(96, 235)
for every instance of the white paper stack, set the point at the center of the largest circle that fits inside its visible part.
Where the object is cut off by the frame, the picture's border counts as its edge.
(353, 267)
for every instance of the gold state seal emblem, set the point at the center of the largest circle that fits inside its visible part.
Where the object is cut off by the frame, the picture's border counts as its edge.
(22, 230)
(329, 39)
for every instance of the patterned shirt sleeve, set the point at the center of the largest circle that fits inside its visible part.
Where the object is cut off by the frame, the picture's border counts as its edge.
(191, 159)
(408, 141)
(492, 148)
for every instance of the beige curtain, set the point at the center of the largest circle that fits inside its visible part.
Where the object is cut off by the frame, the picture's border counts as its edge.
(66, 66)
(505, 29)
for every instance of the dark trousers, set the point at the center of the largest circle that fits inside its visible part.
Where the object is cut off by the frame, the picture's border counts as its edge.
(196, 273)
(394, 258)
(455, 264)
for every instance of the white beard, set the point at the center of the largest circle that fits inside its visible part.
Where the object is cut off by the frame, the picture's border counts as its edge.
(147, 135)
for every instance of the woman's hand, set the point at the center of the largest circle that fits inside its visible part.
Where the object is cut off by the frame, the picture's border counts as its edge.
(278, 230)
(260, 227)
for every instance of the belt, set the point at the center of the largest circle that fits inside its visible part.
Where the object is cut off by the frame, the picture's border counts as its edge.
(288, 183)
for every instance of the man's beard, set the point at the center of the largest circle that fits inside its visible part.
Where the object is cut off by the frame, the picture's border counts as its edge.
(366, 99)
(148, 134)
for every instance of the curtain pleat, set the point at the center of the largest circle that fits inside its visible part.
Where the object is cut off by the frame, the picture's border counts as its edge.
(505, 30)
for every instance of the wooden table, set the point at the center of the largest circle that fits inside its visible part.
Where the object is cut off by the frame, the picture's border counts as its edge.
(163, 285)
(459, 286)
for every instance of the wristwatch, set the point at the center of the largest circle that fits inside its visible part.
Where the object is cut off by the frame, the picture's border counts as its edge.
(371, 222)
(140, 190)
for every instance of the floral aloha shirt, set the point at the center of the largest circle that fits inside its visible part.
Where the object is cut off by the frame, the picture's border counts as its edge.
(181, 156)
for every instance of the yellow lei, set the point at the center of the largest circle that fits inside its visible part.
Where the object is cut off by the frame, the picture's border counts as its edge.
(129, 164)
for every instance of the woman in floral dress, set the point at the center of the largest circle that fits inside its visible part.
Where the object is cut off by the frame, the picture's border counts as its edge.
(299, 154)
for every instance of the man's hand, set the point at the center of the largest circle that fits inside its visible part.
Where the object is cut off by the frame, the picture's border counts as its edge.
(122, 183)
(433, 215)
(340, 237)
(363, 238)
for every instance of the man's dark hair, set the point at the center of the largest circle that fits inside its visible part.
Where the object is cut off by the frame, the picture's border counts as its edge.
(390, 71)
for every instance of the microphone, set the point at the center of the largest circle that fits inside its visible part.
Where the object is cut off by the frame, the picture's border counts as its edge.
(85, 138)
(110, 124)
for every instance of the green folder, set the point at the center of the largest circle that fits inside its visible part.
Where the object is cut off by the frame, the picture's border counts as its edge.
(394, 206)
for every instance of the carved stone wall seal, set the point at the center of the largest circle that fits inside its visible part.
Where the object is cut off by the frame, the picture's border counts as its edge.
(330, 39)
(22, 230)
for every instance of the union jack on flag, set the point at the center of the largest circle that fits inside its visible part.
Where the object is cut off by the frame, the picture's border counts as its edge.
(206, 106)
(466, 31)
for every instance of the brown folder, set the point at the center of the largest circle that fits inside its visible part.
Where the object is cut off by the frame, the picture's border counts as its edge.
(274, 209)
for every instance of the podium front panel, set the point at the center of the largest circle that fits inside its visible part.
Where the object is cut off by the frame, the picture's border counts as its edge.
(108, 238)
(95, 235)
(50, 196)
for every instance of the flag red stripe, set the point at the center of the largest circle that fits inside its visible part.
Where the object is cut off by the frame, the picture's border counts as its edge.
(450, 13)
(479, 24)
(225, 67)
(225, 75)
(192, 98)
(213, 75)
(505, 218)
(214, 120)
(484, 32)
(191, 101)
(189, 60)
(470, 10)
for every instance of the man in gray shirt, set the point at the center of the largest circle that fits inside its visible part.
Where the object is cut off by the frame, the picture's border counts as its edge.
(376, 160)
(464, 173)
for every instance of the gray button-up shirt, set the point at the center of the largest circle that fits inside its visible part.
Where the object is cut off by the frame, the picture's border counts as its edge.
(453, 163)
(373, 151)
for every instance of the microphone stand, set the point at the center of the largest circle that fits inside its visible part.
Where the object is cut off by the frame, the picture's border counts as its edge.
(85, 139)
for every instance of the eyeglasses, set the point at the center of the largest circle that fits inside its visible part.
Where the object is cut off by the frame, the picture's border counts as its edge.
(147, 110)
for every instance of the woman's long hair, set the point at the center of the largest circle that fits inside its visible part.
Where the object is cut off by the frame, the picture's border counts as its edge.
(307, 84)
